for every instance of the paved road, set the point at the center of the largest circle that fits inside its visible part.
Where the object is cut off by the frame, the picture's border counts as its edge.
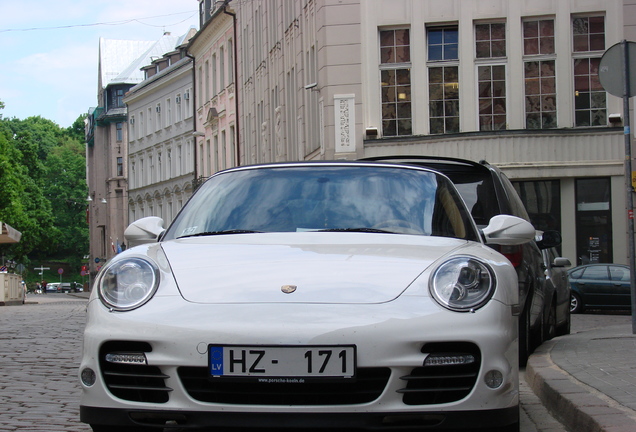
(40, 348)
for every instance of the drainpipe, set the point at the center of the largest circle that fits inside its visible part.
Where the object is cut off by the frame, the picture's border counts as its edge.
(236, 93)
(195, 183)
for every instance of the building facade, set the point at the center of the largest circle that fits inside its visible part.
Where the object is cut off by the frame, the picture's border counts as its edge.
(511, 82)
(215, 98)
(107, 148)
(107, 136)
(160, 141)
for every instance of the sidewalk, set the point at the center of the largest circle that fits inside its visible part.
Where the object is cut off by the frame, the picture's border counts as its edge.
(588, 380)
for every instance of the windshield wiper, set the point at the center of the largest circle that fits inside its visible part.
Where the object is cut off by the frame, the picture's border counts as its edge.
(212, 233)
(367, 230)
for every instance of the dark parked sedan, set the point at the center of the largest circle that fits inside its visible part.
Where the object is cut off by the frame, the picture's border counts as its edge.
(600, 286)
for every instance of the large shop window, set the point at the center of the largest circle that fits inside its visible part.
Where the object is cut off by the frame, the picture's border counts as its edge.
(593, 221)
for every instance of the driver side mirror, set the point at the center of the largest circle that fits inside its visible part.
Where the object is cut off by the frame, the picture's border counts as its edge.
(508, 230)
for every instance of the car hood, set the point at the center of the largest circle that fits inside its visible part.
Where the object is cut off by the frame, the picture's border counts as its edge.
(311, 267)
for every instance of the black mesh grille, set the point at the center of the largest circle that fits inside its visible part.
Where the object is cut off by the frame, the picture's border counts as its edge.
(368, 385)
(139, 383)
(429, 385)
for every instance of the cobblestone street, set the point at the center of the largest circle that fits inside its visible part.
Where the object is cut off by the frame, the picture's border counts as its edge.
(40, 347)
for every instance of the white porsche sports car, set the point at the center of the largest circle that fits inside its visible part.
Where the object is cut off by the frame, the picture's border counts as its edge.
(342, 295)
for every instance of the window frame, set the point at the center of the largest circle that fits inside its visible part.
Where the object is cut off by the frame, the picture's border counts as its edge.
(541, 58)
(401, 80)
(448, 105)
(594, 88)
(495, 86)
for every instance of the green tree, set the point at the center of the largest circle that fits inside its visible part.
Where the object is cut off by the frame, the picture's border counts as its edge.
(22, 204)
(77, 129)
(43, 173)
(66, 189)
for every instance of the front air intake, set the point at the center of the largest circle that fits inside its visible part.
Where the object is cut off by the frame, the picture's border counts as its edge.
(449, 378)
(128, 377)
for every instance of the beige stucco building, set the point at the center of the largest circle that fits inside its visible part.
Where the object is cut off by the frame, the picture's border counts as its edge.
(507, 81)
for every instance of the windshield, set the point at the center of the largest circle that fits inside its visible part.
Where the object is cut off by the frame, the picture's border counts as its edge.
(323, 197)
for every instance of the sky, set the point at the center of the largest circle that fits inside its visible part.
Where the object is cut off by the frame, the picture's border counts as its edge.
(49, 49)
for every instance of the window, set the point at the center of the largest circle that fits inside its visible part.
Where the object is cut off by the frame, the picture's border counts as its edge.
(490, 40)
(596, 273)
(221, 69)
(443, 79)
(588, 34)
(230, 61)
(207, 82)
(542, 200)
(538, 37)
(119, 98)
(395, 75)
(120, 167)
(178, 112)
(492, 97)
(539, 74)
(168, 115)
(490, 49)
(443, 88)
(540, 89)
(443, 44)
(593, 220)
(149, 122)
(590, 99)
(119, 127)
(158, 125)
(214, 77)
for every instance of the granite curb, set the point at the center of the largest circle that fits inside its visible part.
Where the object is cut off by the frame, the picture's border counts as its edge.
(577, 405)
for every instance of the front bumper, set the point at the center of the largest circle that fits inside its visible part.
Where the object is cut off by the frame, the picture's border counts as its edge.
(484, 419)
(394, 337)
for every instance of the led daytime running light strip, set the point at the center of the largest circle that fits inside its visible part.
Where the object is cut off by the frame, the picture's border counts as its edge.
(449, 360)
(126, 358)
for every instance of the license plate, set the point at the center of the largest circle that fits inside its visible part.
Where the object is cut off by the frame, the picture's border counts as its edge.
(282, 363)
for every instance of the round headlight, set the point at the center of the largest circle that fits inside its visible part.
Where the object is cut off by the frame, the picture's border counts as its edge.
(128, 284)
(462, 284)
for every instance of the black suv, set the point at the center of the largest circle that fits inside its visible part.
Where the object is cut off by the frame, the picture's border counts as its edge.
(487, 192)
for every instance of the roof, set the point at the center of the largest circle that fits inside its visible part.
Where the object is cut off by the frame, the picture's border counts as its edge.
(120, 61)
(116, 55)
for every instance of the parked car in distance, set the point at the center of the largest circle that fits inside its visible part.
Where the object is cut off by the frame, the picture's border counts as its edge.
(600, 286)
(53, 287)
(488, 192)
(348, 295)
(556, 273)
(68, 287)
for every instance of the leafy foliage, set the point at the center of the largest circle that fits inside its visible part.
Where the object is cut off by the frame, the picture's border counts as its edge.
(43, 178)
